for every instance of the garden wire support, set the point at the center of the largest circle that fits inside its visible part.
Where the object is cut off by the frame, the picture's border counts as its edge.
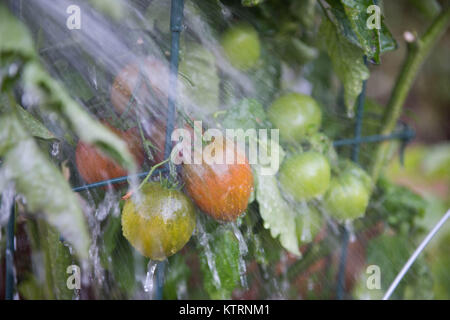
(176, 24)
(414, 256)
(355, 158)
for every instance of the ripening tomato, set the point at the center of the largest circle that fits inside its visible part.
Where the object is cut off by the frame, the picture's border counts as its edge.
(347, 197)
(152, 87)
(296, 116)
(159, 222)
(220, 190)
(242, 46)
(305, 175)
(94, 166)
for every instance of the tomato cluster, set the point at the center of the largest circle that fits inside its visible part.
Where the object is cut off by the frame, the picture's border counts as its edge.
(159, 220)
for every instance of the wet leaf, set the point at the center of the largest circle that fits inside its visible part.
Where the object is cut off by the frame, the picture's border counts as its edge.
(43, 186)
(34, 126)
(200, 81)
(56, 98)
(117, 256)
(347, 60)
(351, 18)
(251, 3)
(14, 37)
(176, 277)
(247, 114)
(275, 211)
(219, 262)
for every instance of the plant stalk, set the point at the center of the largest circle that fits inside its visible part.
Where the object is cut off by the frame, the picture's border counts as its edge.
(418, 51)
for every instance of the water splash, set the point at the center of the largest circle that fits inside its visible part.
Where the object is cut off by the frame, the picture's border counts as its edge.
(204, 242)
(243, 250)
(149, 283)
(7, 201)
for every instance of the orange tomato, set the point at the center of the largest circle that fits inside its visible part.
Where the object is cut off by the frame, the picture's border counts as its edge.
(220, 190)
(94, 166)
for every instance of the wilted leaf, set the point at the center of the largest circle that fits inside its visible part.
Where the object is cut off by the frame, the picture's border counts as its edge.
(347, 60)
(43, 186)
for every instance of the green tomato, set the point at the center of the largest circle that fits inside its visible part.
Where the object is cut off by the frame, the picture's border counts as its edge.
(347, 198)
(358, 172)
(296, 116)
(305, 176)
(308, 223)
(241, 45)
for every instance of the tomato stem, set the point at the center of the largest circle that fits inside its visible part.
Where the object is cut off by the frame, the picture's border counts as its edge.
(417, 53)
(150, 173)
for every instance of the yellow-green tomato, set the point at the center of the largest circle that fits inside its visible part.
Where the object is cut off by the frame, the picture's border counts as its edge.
(296, 116)
(241, 46)
(159, 221)
(305, 175)
(347, 198)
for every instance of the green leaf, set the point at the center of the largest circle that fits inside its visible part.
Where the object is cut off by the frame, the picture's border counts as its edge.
(356, 11)
(219, 261)
(14, 37)
(117, 256)
(400, 206)
(390, 253)
(347, 60)
(36, 79)
(113, 8)
(42, 184)
(200, 80)
(56, 259)
(278, 217)
(430, 8)
(176, 277)
(251, 3)
(247, 114)
(266, 76)
(351, 17)
(34, 126)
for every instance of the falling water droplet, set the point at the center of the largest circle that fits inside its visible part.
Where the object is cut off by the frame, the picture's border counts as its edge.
(55, 148)
(13, 68)
(150, 277)
(350, 230)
